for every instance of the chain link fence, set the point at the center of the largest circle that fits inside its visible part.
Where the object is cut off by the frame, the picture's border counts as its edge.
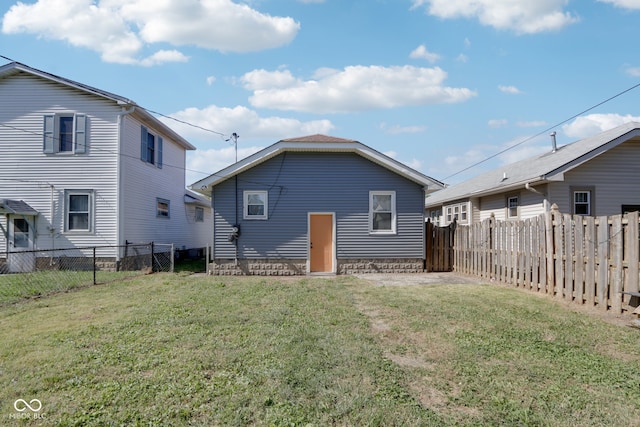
(27, 274)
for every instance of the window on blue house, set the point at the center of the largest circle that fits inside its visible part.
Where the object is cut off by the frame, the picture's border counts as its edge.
(255, 205)
(382, 212)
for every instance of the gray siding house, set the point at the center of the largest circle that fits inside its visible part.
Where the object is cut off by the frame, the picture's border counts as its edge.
(594, 176)
(317, 204)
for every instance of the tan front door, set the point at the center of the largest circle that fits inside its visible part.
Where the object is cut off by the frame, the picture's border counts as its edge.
(321, 243)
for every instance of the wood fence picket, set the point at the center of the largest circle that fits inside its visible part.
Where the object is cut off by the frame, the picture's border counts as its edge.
(585, 260)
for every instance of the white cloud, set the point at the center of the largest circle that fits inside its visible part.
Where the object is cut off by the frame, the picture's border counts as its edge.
(421, 52)
(202, 163)
(396, 129)
(211, 80)
(633, 71)
(525, 151)
(625, 4)
(592, 124)
(120, 29)
(356, 88)
(414, 163)
(531, 124)
(497, 123)
(163, 56)
(509, 89)
(461, 161)
(520, 16)
(242, 120)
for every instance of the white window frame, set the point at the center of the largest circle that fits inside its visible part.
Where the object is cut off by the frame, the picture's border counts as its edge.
(245, 204)
(456, 210)
(434, 216)
(198, 213)
(51, 134)
(68, 212)
(588, 203)
(160, 210)
(510, 207)
(372, 212)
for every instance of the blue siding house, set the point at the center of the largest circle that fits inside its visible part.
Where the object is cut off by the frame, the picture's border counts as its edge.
(317, 204)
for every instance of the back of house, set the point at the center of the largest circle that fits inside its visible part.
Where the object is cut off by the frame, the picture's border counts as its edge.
(78, 170)
(317, 204)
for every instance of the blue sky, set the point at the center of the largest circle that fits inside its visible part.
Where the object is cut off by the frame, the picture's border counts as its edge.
(439, 85)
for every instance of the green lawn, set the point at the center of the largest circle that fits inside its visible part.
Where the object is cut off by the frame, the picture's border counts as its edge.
(168, 349)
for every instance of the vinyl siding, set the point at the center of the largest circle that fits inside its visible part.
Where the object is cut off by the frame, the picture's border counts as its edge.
(28, 174)
(615, 175)
(145, 183)
(113, 154)
(531, 205)
(299, 183)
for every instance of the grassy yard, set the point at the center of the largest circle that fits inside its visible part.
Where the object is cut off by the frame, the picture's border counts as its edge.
(167, 349)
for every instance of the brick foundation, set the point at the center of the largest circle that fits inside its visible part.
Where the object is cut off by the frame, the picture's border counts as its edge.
(296, 267)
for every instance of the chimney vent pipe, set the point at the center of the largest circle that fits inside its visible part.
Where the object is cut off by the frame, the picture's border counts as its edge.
(554, 147)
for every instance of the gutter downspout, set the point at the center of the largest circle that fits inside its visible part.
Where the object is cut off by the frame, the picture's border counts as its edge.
(545, 202)
(119, 174)
(425, 190)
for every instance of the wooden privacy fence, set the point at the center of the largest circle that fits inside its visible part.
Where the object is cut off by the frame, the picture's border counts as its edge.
(439, 250)
(587, 260)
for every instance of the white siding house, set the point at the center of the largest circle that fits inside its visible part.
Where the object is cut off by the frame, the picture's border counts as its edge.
(593, 176)
(83, 167)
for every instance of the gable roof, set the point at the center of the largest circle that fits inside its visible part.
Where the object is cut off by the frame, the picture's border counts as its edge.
(546, 167)
(316, 143)
(15, 68)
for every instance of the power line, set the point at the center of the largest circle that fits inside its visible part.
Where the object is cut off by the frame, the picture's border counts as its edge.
(149, 110)
(104, 150)
(544, 131)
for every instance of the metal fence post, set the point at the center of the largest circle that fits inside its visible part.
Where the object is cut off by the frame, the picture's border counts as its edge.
(172, 257)
(94, 265)
(152, 256)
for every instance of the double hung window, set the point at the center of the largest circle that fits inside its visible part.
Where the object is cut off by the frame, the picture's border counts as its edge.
(512, 206)
(582, 203)
(151, 147)
(163, 208)
(256, 205)
(78, 210)
(65, 133)
(382, 212)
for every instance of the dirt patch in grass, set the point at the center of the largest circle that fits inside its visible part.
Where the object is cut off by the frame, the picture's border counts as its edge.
(494, 355)
(418, 279)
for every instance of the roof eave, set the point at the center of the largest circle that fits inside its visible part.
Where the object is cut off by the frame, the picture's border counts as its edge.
(282, 146)
(12, 67)
(493, 191)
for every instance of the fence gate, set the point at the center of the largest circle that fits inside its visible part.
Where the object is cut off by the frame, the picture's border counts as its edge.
(439, 250)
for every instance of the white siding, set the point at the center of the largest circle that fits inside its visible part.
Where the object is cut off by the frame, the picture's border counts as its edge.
(39, 179)
(199, 234)
(26, 173)
(530, 205)
(146, 183)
